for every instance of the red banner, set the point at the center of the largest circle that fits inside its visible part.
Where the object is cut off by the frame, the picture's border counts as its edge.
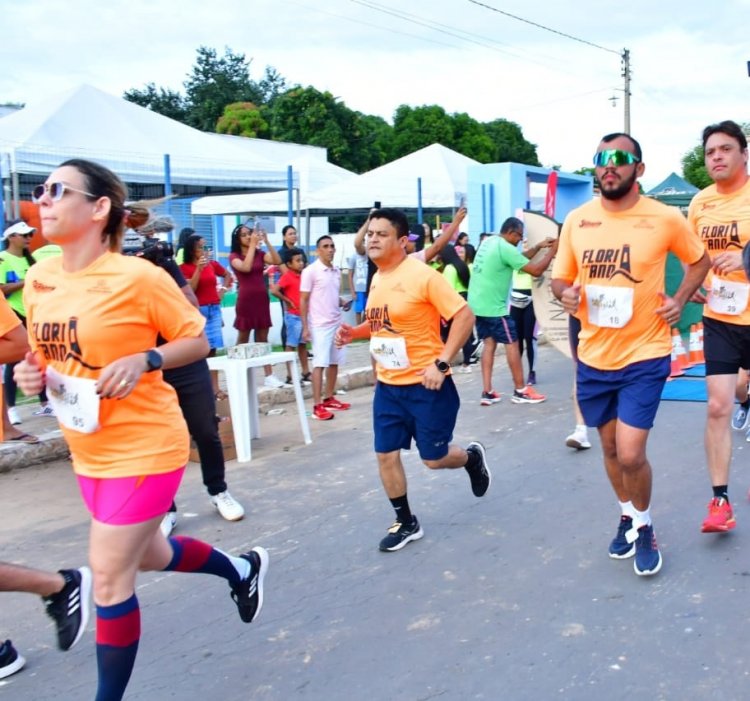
(549, 202)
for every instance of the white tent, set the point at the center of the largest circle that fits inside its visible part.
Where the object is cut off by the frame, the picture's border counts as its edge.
(131, 140)
(442, 172)
(313, 175)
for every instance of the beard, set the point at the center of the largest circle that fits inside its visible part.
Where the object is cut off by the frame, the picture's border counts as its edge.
(619, 191)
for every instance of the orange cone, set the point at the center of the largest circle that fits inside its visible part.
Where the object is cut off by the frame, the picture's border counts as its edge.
(676, 369)
(682, 356)
(695, 349)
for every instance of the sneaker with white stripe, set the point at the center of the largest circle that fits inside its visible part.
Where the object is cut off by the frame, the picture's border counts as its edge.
(70, 607)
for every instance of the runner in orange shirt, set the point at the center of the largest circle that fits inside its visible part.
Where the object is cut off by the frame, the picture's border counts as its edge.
(720, 215)
(94, 316)
(414, 396)
(609, 273)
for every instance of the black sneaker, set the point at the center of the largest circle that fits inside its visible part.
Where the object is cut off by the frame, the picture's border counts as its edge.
(69, 608)
(400, 534)
(10, 661)
(480, 476)
(248, 593)
(620, 548)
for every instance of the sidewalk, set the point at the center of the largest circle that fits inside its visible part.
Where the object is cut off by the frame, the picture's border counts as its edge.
(356, 372)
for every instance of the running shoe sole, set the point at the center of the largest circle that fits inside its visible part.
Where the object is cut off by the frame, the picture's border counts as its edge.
(648, 573)
(417, 535)
(478, 446)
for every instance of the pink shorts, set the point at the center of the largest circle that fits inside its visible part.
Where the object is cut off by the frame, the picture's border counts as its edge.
(124, 500)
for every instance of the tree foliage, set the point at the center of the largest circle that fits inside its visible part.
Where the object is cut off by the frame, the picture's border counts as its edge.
(162, 100)
(242, 119)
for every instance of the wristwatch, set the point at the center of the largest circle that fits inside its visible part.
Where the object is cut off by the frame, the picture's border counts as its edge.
(442, 365)
(154, 360)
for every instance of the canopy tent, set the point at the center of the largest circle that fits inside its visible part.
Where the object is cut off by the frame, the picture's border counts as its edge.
(313, 175)
(673, 190)
(85, 122)
(434, 177)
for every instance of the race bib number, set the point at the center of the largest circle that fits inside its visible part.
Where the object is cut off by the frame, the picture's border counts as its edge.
(74, 400)
(609, 307)
(389, 353)
(728, 297)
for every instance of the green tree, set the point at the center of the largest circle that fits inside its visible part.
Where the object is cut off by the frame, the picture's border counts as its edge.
(216, 82)
(376, 141)
(271, 85)
(417, 127)
(242, 119)
(510, 144)
(162, 100)
(470, 139)
(308, 116)
(694, 169)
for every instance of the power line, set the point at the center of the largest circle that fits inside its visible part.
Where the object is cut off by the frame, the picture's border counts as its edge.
(545, 28)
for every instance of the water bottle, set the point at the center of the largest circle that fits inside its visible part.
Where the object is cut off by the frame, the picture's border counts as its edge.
(11, 276)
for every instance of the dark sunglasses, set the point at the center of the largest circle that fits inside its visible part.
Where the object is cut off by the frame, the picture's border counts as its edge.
(56, 191)
(25, 236)
(618, 158)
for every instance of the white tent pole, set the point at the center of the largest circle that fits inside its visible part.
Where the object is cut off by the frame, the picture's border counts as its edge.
(307, 230)
(14, 187)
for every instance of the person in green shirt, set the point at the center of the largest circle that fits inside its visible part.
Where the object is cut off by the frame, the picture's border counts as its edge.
(491, 277)
(15, 262)
(458, 273)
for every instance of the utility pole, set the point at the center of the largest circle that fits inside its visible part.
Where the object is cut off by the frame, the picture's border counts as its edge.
(626, 75)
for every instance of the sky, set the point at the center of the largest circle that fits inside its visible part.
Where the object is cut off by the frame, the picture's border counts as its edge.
(552, 67)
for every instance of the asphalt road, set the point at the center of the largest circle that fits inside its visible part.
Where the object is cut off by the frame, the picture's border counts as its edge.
(511, 596)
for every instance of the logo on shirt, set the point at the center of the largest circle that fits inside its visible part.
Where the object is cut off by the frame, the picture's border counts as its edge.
(41, 287)
(59, 341)
(719, 237)
(101, 287)
(379, 319)
(585, 224)
(644, 224)
(607, 263)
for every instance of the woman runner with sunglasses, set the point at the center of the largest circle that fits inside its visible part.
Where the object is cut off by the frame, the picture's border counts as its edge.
(94, 316)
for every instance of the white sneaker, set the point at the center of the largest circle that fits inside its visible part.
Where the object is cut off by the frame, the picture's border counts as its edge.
(273, 382)
(465, 369)
(44, 411)
(228, 506)
(168, 523)
(578, 439)
(14, 416)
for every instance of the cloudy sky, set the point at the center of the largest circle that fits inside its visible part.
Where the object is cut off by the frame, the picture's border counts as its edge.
(688, 60)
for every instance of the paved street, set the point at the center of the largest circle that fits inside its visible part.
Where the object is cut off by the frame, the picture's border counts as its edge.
(511, 596)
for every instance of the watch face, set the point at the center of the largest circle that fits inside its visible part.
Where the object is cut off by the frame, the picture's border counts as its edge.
(154, 360)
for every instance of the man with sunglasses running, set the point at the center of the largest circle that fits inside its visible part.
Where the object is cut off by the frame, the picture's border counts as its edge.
(609, 273)
(720, 215)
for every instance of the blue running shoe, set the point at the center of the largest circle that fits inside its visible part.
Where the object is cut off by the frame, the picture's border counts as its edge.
(647, 555)
(619, 548)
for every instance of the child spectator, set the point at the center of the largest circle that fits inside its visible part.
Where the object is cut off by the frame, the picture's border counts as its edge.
(287, 290)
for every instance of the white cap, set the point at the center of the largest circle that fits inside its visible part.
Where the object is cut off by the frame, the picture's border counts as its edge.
(18, 227)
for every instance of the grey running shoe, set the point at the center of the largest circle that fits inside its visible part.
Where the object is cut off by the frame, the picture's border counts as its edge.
(741, 415)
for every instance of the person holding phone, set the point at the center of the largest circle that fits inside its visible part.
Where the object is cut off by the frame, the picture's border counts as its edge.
(253, 312)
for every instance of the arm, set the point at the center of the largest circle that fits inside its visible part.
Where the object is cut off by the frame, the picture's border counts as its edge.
(10, 287)
(245, 265)
(671, 307)
(568, 293)
(346, 334)
(531, 252)
(190, 295)
(536, 269)
(359, 239)
(277, 292)
(271, 256)
(14, 345)
(461, 326)
(442, 241)
(304, 306)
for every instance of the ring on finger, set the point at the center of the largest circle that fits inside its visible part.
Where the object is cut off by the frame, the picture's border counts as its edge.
(123, 383)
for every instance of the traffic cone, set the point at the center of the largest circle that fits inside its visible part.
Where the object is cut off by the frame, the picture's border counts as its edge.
(676, 370)
(695, 347)
(682, 356)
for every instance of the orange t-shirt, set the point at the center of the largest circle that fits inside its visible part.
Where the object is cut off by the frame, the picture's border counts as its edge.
(405, 305)
(723, 223)
(619, 260)
(80, 322)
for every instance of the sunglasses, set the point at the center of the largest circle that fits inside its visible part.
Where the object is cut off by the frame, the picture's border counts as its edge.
(618, 158)
(25, 236)
(56, 191)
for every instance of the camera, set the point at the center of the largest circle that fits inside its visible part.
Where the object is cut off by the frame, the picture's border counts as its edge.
(152, 249)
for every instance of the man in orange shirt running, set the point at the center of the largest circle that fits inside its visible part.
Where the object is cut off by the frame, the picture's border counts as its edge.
(414, 396)
(609, 272)
(720, 215)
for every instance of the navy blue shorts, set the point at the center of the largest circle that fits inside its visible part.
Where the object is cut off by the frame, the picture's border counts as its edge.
(631, 394)
(403, 412)
(501, 329)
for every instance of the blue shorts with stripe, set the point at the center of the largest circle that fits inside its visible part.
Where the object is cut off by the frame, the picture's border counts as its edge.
(501, 329)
